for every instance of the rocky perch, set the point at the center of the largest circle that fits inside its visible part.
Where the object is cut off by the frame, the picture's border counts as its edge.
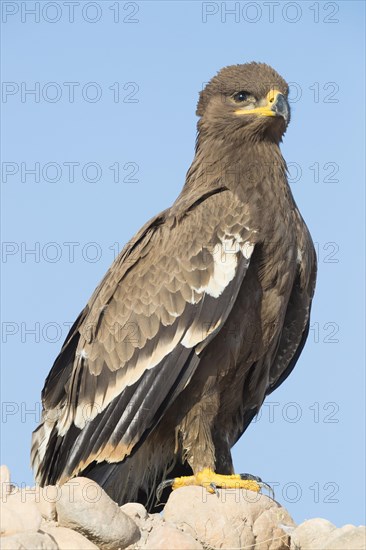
(81, 516)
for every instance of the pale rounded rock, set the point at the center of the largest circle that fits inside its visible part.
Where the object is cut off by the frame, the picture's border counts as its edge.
(44, 497)
(19, 514)
(272, 529)
(5, 483)
(347, 527)
(342, 538)
(86, 508)
(198, 513)
(135, 511)
(305, 534)
(154, 520)
(226, 520)
(46, 501)
(22, 495)
(168, 537)
(4, 475)
(345, 538)
(28, 541)
(10, 521)
(67, 538)
(151, 522)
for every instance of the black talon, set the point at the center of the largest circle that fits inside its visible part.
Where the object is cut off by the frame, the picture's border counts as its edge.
(261, 483)
(269, 489)
(215, 489)
(163, 485)
(250, 477)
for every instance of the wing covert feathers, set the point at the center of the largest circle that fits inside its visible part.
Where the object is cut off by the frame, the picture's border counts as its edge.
(137, 343)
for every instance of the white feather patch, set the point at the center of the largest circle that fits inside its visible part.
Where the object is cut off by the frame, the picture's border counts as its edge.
(198, 333)
(247, 249)
(225, 256)
(225, 263)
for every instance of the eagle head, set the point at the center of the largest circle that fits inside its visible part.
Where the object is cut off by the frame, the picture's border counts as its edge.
(245, 102)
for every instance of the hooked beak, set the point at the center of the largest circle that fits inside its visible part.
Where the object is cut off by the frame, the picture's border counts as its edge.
(280, 106)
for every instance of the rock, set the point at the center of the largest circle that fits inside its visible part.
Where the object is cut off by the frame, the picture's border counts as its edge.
(192, 519)
(305, 534)
(138, 513)
(152, 521)
(231, 520)
(135, 511)
(319, 533)
(86, 508)
(168, 537)
(19, 514)
(43, 498)
(46, 499)
(10, 522)
(4, 474)
(67, 538)
(28, 541)
(271, 530)
(347, 537)
(5, 483)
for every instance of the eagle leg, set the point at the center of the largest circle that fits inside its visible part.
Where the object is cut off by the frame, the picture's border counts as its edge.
(210, 480)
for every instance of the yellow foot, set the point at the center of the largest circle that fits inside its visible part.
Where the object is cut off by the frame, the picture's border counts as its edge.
(211, 481)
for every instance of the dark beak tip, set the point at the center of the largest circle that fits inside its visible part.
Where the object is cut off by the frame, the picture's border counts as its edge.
(281, 107)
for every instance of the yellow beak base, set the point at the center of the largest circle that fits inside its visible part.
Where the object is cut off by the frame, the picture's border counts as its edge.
(266, 110)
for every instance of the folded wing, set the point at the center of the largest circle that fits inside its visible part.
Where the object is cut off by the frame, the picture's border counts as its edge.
(138, 342)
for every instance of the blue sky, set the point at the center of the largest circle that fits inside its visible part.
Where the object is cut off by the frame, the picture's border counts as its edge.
(109, 133)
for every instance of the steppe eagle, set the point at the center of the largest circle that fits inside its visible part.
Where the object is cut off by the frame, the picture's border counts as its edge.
(202, 315)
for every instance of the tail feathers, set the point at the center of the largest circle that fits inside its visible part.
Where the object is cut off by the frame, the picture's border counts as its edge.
(136, 479)
(40, 442)
(49, 449)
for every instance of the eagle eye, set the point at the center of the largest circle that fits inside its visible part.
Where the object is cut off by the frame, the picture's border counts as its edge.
(241, 96)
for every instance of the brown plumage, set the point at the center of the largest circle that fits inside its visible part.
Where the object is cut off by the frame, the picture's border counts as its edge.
(203, 314)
